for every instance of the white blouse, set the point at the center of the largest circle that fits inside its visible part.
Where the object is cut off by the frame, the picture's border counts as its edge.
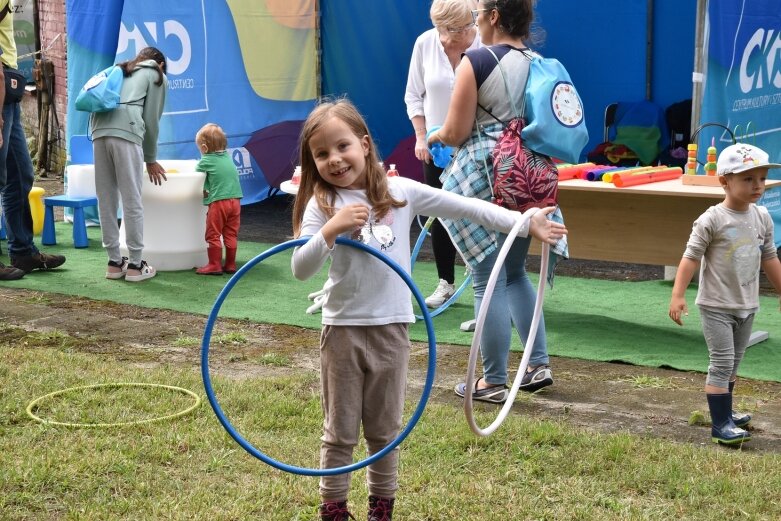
(430, 79)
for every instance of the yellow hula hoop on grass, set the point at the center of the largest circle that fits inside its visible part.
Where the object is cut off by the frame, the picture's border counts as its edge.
(33, 404)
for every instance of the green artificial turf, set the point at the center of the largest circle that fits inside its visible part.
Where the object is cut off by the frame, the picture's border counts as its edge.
(585, 318)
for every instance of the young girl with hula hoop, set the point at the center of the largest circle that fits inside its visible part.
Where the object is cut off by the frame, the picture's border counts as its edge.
(364, 346)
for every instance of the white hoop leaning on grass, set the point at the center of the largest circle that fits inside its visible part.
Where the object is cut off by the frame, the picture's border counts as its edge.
(475, 349)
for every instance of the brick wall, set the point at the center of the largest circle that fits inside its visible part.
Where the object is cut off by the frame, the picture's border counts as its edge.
(51, 22)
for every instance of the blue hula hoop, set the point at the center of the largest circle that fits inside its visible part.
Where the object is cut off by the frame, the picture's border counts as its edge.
(304, 471)
(415, 251)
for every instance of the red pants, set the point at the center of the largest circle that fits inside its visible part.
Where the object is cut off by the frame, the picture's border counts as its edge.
(222, 220)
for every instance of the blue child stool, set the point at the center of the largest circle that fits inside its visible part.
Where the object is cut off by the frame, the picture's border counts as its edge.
(79, 224)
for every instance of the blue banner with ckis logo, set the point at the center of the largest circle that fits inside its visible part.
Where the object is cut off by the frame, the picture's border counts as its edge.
(247, 65)
(742, 85)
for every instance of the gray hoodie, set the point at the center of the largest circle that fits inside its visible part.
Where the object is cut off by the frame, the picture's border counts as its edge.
(137, 118)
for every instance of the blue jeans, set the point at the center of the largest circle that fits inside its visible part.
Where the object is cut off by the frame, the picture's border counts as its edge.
(512, 303)
(16, 181)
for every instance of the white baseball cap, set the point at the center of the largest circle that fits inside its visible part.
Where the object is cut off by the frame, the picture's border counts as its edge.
(742, 157)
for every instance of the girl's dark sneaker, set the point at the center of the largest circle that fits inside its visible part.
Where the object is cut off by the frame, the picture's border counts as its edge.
(335, 511)
(380, 508)
(139, 272)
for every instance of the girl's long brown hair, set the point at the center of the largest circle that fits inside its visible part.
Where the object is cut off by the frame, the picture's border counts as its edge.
(147, 53)
(314, 185)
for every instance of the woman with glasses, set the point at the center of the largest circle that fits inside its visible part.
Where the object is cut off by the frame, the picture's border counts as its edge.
(505, 26)
(435, 56)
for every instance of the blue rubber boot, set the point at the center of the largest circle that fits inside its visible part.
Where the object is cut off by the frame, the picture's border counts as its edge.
(740, 419)
(723, 429)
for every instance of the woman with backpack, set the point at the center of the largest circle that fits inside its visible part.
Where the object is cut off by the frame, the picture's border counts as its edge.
(505, 26)
(124, 139)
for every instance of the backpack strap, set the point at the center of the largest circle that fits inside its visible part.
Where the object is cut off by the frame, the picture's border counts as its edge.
(512, 104)
(507, 87)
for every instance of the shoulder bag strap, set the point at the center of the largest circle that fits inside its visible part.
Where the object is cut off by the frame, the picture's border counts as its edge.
(5, 10)
(512, 104)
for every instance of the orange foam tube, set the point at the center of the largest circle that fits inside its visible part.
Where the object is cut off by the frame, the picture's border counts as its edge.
(573, 171)
(649, 177)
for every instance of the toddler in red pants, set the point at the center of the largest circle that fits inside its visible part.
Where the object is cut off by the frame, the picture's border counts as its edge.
(221, 192)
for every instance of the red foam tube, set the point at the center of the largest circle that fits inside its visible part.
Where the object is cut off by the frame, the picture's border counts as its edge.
(650, 177)
(574, 171)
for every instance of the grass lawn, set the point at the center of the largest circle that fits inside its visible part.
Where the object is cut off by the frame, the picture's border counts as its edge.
(189, 468)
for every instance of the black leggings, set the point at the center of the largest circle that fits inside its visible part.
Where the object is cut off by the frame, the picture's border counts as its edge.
(444, 251)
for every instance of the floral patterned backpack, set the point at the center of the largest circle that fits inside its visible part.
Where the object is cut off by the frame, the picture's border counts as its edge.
(523, 178)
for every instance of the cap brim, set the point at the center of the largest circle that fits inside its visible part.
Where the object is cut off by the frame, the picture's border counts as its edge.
(748, 168)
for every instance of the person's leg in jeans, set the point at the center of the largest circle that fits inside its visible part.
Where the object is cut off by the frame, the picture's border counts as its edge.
(512, 301)
(18, 181)
(522, 296)
(496, 336)
(18, 178)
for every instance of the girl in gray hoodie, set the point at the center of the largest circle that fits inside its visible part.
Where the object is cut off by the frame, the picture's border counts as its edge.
(123, 140)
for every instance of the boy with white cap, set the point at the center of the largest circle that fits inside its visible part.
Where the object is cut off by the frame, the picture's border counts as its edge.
(732, 240)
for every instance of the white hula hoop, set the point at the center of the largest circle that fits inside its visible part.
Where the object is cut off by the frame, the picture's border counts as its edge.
(527, 351)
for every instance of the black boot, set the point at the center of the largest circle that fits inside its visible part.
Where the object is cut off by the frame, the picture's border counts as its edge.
(723, 429)
(740, 419)
(380, 508)
(335, 511)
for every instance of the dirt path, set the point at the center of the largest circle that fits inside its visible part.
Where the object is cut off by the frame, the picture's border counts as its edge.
(602, 396)
(599, 396)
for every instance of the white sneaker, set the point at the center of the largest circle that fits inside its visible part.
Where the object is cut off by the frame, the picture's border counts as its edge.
(145, 271)
(443, 292)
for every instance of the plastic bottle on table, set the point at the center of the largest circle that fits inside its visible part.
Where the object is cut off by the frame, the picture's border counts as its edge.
(296, 180)
(392, 172)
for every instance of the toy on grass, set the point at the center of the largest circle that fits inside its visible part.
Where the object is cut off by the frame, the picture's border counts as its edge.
(33, 405)
(475, 349)
(35, 198)
(432, 350)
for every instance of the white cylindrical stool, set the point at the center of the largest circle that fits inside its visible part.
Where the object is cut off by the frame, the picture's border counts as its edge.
(174, 219)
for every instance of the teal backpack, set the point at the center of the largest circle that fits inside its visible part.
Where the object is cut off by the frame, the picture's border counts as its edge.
(101, 92)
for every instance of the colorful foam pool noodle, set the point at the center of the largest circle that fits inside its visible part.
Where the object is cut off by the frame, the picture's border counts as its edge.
(573, 171)
(597, 173)
(649, 177)
(630, 170)
(691, 162)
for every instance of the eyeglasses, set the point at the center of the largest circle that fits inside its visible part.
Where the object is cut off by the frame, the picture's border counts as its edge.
(475, 12)
(459, 30)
